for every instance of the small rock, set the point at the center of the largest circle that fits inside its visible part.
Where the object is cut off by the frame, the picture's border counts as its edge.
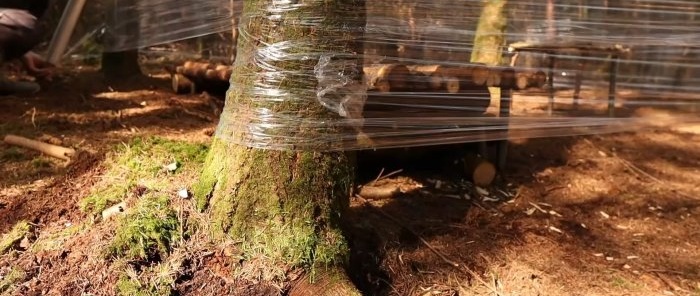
(183, 193)
(609, 258)
(171, 167)
(482, 191)
(605, 215)
(25, 243)
(626, 266)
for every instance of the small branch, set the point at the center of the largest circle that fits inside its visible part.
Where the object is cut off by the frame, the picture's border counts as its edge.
(48, 149)
(384, 192)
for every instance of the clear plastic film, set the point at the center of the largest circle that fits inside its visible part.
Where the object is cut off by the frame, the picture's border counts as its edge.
(429, 77)
(134, 24)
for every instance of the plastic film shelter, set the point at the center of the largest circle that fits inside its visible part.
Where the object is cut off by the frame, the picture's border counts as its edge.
(439, 72)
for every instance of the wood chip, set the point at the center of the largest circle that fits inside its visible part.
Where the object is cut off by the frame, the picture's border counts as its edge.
(482, 191)
(489, 199)
(605, 215)
(538, 208)
(113, 210)
(632, 257)
(553, 213)
(609, 258)
(552, 228)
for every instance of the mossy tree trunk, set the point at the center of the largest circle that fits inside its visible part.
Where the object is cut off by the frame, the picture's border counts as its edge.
(121, 64)
(284, 206)
(489, 38)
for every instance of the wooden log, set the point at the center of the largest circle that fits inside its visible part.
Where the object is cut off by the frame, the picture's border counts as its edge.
(48, 149)
(522, 80)
(539, 79)
(482, 171)
(181, 84)
(388, 77)
(452, 84)
(379, 192)
(480, 74)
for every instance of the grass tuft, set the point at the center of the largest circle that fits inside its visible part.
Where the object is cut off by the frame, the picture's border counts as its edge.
(11, 239)
(148, 231)
(10, 279)
(154, 280)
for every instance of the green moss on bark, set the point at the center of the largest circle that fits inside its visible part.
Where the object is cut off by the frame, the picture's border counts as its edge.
(489, 39)
(284, 207)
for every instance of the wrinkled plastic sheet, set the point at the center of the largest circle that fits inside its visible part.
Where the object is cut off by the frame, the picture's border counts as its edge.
(589, 67)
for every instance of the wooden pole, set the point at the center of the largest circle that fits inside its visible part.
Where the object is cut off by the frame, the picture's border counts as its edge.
(48, 149)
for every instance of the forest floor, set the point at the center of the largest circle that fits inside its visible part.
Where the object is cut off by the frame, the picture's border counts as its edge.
(597, 215)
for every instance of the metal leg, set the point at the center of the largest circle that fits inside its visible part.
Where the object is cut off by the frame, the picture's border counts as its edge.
(578, 81)
(550, 81)
(506, 98)
(613, 85)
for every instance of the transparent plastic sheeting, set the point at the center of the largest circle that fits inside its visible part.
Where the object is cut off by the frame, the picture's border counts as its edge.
(141, 23)
(566, 68)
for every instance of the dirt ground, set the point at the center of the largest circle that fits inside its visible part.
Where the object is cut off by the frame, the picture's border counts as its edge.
(597, 215)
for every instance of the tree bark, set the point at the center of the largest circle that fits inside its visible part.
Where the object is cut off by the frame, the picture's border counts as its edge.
(125, 63)
(489, 39)
(117, 65)
(284, 206)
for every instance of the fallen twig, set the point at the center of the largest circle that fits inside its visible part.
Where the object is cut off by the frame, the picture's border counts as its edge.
(45, 148)
(382, 177)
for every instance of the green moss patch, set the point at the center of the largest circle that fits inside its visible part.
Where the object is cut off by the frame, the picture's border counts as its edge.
(54, 240)
(142, 162)
(9, 280)
(11, 239)
(153, 280)
(148, 231)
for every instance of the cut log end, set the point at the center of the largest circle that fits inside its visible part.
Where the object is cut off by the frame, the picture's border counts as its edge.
(484, 173)
(182, 84)
(481, 171)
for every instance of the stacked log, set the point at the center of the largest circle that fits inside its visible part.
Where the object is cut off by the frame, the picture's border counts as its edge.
(386, 78)
(201, 76)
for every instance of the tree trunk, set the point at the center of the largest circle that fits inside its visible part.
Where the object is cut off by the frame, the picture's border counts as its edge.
(120, 64)
(489, 39)
(284, 206)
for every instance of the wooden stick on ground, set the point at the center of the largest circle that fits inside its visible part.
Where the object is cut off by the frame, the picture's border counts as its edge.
(48, 149)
